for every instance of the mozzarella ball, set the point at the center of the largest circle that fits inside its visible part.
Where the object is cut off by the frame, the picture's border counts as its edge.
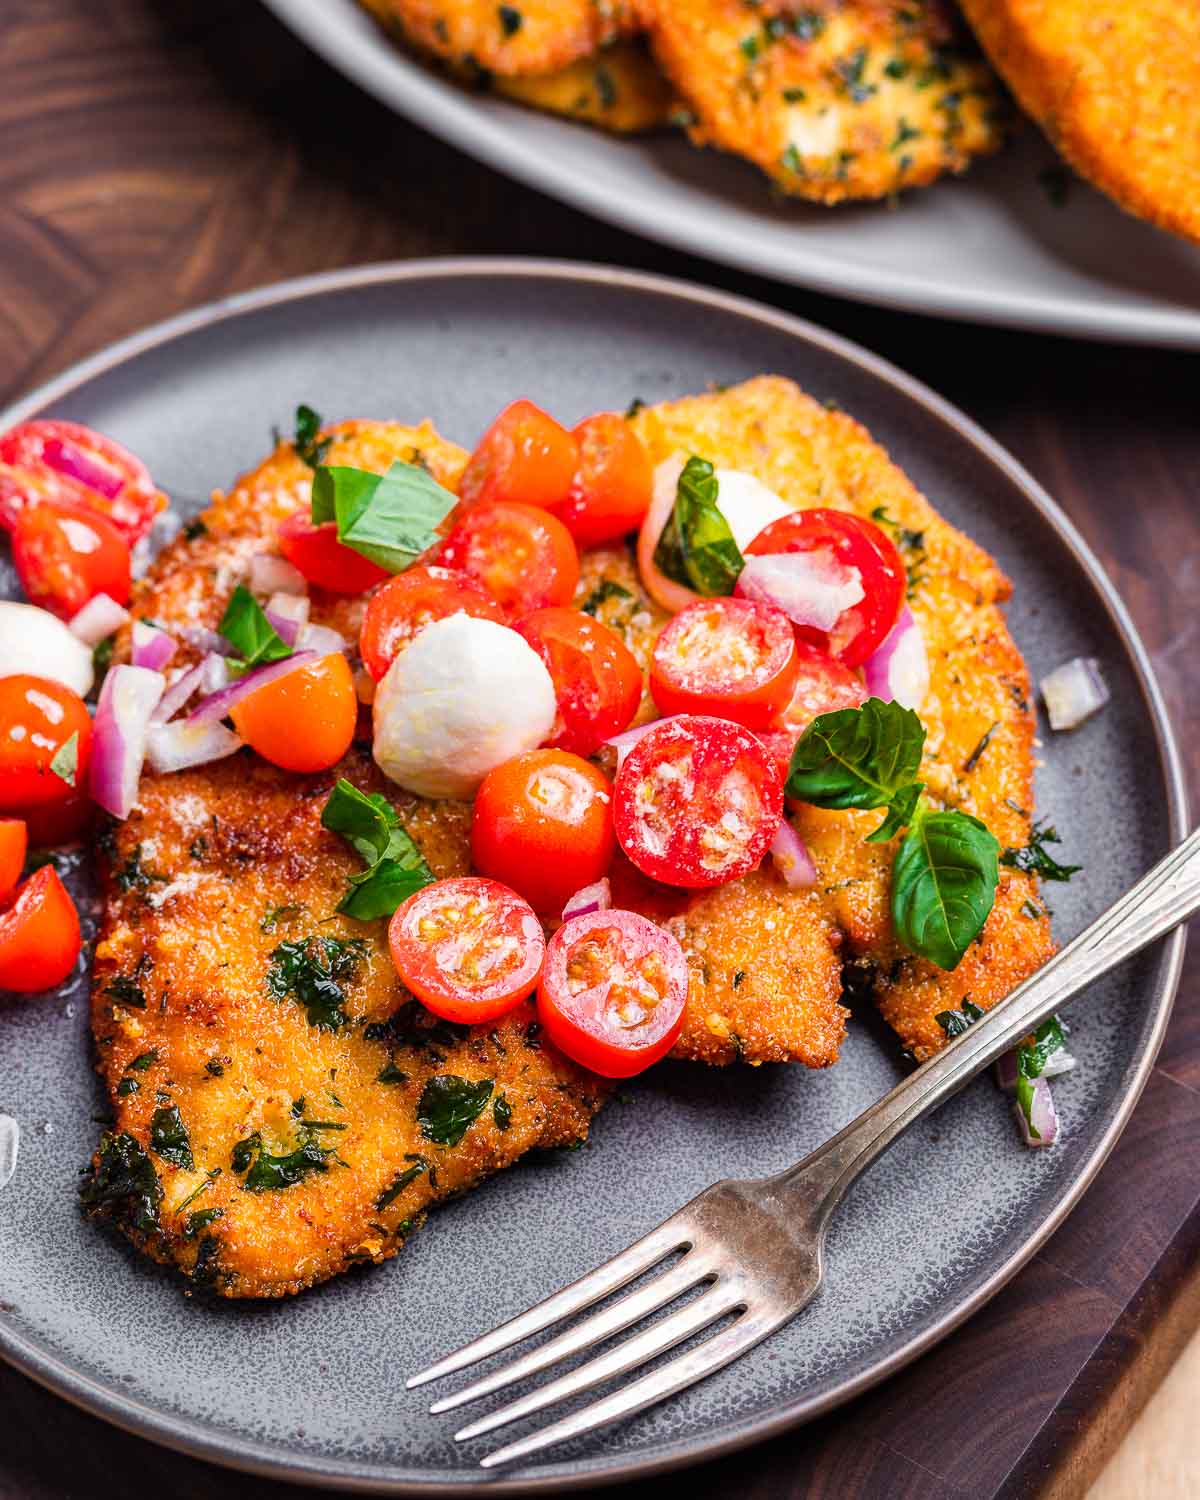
(747, 504)
(33, 640)
(463, 697)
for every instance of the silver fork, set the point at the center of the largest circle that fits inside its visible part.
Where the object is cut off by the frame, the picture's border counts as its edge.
(757, 1247)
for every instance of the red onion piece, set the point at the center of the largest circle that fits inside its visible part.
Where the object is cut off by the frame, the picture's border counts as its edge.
(1074, 692)
(1056, 1064)
(899, 671)
(792, 859)
(150, 647)
(811, 588)
(594, 897)
(623, 743)
(214, 673)
(286, 629)
(292, 607)
(270, 574)
(1041, 1128)
(215, 707)
(97, 620)
(321, 639)
(178, 692)
(127, 699)
(66, 458)
(204, 639)
(175, 747)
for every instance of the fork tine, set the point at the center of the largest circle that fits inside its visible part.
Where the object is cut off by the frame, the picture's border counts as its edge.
(628, 1355)
(657, 1293)
(704, 1360)
(610, 1277)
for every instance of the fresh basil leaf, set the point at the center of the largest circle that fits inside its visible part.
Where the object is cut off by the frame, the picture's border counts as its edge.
(696, 547)
(396, 867)
(66, 759)
(1025, 1093)
(449, 1105)
(169, 1137)
(901, 811)
(1049, 1038)
(390, 518)
(858, 757)
(308, 445)
(247, 629)
(943, 885)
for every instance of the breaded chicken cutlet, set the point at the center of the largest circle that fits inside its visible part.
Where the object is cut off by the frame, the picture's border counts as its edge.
(1113, 83)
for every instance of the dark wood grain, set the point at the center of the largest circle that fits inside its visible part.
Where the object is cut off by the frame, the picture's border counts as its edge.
(155, 154)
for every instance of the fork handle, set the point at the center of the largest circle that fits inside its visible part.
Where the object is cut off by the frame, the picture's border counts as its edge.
(1161, 900)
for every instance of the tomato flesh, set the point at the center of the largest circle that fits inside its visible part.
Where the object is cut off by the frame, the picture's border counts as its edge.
(330, 564)
(470, 949)
(823, 685)
(542, 823)
(39, 935)
(856, 544)
(14, 842)
(731, 658)
(37, 718)
(597, 681)
(304, 721)
(520, 555)
(613, 992)
(407, 603)
(67, 554)
(70, 464)
(612, 485)
(525, 455)
(697, 802)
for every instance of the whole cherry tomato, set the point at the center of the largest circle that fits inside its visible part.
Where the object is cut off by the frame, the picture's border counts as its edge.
(38, 719)
(304, 721)
(612, 485)
(330, 564)
(520, 555)
(67, 554)
(410, 601)
(523, 456)
(597, 681)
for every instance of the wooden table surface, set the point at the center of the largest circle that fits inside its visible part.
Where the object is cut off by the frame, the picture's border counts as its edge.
(159, 153)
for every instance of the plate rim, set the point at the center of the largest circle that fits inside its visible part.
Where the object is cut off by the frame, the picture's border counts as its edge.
(192, 1437)
(444, 110)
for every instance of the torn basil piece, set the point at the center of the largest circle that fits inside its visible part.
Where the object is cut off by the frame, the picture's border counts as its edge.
(390, 518)
(696, 547)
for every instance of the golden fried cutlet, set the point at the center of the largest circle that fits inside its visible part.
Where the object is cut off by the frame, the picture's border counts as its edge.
(618, 88)
(835, 99)
(1113, 83)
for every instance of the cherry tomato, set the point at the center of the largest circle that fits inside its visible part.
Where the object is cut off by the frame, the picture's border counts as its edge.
(14, 841)
(410, 601)
(613, 992)
(697, 802)
(731, 658)
(37, 718)
(304, 721)
(51, 823)
(543, 824)
(857, 544)
(522, 556)
(71, 464)
(823, 684)
(39, 934)
(597, 680)
(67, 554)
(471, 949)
(325, 561)
(610, 492)
(524, 456)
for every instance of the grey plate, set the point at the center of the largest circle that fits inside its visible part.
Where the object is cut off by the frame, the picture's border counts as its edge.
(991, 247)
(912, 1253)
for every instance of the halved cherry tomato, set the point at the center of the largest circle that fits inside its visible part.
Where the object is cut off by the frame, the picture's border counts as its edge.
(37, 718)
(610, 492)
(471, 949)
(67, 554)
(325, 561)
(525, 455)
(522, 556)
(857, 544)
(14, 842)
(597, 680)
(409, 602)
(732, 658)
(823, 685)
(542, 824)
(304, 721)
(613, 992)
(39, 934)
(697, 802)
(51, 823)
(71, 464)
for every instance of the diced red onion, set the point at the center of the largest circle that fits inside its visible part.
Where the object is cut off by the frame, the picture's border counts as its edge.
(594, 897)
(215, 707)
(270, 574)
(204, 639)
(1059, 1062)
(294, 607)
(150, 647)
(792, 859)
(65, 458)
(97, 620)
(623, 743)
(1041, 1128)
(1006, 1072)
(175, 747)
(899, 671)
(127, 699)
(178, 692)
(214, 673)
(284, 627)
(321, 639)
(1074, 692)
(811, 588)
